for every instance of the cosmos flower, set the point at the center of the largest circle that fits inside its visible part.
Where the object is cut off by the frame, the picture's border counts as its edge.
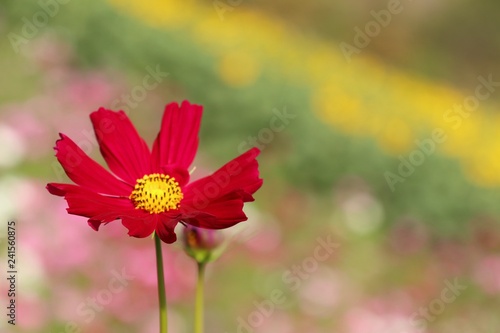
(149, 190)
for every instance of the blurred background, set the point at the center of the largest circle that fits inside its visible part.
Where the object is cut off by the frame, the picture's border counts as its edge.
(378, 125)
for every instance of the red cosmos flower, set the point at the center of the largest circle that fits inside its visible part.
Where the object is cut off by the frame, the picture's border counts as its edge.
(150, 190)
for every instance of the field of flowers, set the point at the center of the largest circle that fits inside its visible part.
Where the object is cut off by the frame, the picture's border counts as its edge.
(380, 208)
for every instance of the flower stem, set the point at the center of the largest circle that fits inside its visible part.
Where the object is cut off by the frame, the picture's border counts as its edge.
(198, 314)
(161, 286)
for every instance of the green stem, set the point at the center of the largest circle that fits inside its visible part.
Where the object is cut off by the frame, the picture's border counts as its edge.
(161, 286)
(198, 314)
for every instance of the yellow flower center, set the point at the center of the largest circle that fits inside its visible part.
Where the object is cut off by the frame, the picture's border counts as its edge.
(156, 193)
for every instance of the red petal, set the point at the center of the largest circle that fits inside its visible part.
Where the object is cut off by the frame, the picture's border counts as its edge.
(220, 214)
(140, 227)
(98, 208)
(125, 152)
(86, 172)
(165, 228)
(177, 141)
(216, 201)
(240, 175)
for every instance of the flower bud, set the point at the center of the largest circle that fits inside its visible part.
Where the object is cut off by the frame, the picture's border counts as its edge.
(203, 245)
